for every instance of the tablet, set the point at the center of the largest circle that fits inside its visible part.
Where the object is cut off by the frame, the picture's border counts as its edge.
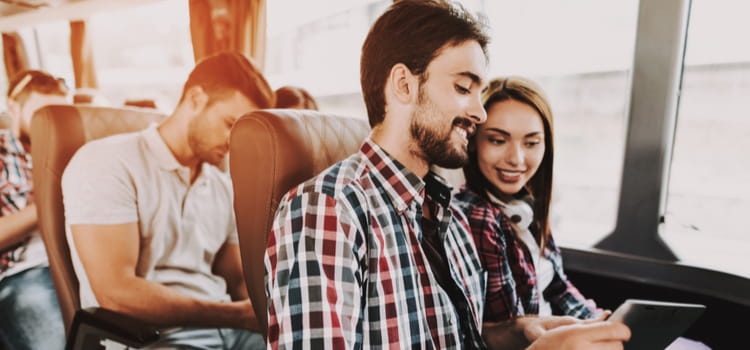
(655, 324)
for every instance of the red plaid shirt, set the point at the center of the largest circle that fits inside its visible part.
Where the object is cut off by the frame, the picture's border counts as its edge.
(345, 268)
(511, 278)
(15, 187)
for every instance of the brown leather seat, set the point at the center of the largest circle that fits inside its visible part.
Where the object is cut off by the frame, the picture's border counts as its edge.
(272, 151)
(58, 131)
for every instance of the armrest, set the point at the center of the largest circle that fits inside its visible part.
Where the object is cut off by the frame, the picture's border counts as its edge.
(92, 325)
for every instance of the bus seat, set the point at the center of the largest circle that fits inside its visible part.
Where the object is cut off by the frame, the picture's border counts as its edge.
(144, 103)
(272, 151)
(58, 131)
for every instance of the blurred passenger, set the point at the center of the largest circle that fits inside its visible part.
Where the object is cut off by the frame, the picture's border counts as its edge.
(152, 230)
(28, 303)
(295, 98)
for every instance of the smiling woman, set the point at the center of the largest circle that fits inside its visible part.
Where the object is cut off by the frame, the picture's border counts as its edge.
(507, 200)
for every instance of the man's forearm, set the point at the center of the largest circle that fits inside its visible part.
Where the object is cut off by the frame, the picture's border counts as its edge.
(15, 227)
(162, 306)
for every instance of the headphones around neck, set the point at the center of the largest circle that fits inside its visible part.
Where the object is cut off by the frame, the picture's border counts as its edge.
(519, 212)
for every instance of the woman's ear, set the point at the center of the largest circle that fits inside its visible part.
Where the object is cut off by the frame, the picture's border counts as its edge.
(402, 84)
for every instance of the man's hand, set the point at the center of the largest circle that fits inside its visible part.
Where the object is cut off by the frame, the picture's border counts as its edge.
(598, 335)
(534, 327)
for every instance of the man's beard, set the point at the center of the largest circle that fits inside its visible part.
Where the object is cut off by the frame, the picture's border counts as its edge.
(200, 149)
(435, 144)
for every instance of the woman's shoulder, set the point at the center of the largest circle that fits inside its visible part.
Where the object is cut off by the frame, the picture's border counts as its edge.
(469, 201)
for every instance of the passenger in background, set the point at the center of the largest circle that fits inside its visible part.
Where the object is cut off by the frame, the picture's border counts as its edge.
(295, 98)
(28, 303)
(151, 226)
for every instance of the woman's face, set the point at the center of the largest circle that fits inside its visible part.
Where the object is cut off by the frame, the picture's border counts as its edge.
(510, 146)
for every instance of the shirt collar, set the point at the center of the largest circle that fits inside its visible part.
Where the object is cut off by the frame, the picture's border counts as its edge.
(164, 156)
(494, 200)
(405, 186)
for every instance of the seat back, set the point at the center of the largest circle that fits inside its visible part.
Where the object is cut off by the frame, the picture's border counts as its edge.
(272, 151)
(57, 132)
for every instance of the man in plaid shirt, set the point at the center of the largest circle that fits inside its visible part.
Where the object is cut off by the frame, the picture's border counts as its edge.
(28, 302)
(371, 253)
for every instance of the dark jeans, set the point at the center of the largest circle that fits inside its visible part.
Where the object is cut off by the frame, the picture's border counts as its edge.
(30, 315)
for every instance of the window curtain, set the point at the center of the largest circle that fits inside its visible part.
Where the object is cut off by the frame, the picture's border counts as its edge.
(229, 25)
(14, 54)
(82, 55)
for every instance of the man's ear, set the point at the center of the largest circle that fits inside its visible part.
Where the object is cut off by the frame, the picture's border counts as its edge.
(196, 98)
(403, 84)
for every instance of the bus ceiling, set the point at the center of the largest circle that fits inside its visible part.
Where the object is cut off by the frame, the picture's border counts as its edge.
(16, 14)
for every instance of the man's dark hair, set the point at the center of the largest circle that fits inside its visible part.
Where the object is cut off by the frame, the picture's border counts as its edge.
(412, 32)
(223, 73)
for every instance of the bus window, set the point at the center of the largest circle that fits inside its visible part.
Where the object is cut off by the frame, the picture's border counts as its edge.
(581, 53)
(317, 47)
(54, 38)
(141, 53)
(708, 187)
(585, 73)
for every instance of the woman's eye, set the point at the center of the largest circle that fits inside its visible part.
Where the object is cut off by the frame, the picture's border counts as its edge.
(462, 90)
(496, 141)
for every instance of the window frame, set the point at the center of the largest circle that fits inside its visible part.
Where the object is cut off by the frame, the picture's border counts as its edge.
(634, 251)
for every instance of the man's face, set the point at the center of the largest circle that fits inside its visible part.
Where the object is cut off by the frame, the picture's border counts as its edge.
(449, 105)
(21, 113)
(208, 132)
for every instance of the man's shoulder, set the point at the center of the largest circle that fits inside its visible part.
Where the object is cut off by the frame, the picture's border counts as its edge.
(342, 181)
(107, 154)
(114, 141)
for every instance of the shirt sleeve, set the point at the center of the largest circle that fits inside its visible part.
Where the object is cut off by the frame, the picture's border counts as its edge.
(314, 277)
(563, 295)
(97, 188)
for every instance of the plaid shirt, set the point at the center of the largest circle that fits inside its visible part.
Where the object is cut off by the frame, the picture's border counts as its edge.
(511, 283)
(345, 266)
(15, 188)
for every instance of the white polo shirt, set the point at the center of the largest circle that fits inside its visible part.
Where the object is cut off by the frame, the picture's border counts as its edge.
(136, 178)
